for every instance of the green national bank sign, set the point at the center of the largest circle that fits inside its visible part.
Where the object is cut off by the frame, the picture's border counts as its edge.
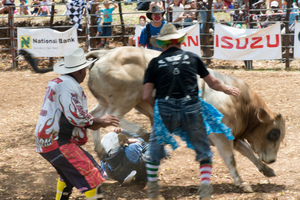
(47, 42)
(25, 42)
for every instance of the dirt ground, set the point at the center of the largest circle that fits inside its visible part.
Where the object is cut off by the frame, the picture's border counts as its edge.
(24, 174)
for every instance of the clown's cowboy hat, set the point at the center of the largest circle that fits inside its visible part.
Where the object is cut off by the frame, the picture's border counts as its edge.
(155, 9)
(73, 61)
(167, 32)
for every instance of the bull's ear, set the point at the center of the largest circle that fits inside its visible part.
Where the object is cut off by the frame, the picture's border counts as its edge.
(263, 116)
(278, 117)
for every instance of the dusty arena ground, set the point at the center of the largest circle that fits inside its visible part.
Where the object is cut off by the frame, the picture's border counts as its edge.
(24, 175)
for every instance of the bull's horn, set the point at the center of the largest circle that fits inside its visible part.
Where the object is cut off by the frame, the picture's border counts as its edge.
(278, 117)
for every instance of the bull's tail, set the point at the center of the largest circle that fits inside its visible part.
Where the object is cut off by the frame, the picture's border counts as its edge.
(96, 55)
(33, 62)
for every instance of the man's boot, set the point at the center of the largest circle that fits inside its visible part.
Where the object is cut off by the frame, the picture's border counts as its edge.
(153, 191)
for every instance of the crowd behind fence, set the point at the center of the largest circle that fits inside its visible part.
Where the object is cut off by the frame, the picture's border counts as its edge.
(240, 14)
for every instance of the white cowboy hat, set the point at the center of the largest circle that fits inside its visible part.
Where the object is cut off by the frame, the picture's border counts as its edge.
(110, 143)
(274, 4)
(73, 61)
(167, 32)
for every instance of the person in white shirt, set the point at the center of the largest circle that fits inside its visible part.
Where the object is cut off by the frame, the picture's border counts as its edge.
(177, 9)
(62, 128)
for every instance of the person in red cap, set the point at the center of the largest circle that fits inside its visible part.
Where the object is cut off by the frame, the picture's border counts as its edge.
(138, 29)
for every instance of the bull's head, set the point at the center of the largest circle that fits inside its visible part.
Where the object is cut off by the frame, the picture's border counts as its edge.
(267, 136)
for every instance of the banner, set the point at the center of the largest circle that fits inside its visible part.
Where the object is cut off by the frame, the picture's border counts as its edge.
(297, 41)
(191, 42)
(47, 42)
(192, 39)
(247, 44)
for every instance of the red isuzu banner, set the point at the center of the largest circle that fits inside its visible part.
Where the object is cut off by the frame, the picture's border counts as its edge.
(247, 44)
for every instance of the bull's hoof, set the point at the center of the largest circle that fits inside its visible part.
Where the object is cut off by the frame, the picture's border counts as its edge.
(246, 187)
(267, 171)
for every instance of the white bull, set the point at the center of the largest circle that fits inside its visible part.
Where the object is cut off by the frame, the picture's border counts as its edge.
(116, 80)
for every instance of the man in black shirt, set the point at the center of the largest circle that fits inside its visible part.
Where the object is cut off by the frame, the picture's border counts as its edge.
(177, 107)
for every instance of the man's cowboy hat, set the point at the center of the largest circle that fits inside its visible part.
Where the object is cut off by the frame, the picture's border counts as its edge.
(167, 32)
(155, 9)
(73, 61)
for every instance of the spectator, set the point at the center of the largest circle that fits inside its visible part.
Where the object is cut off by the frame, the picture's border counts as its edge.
(107, 20)
(202, 7)
(157, 3)
(43, 10)
(138, 29)
(98, 19)
(152, 29)
(218, 5)
(263, 18)
(236, 16)
(188, 16)
(46, 3)
(276, 14)
(6, 4)
(36, 6)
(293, 14)
(143, 5)
(227, 4)
(177, 9)
(256, 4)
(24, 10)
(125, 156)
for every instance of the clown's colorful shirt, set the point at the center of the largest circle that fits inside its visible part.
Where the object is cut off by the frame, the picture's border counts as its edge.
(64, 115)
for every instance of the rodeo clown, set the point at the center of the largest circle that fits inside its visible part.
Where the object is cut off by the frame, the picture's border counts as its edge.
(177, 108)
(62, 129)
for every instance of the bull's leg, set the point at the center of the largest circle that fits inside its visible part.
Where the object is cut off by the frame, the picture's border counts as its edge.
(244, 148)
(98, 111)
(225, 149)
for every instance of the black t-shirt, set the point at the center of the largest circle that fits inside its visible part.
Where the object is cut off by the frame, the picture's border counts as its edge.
(159, 73)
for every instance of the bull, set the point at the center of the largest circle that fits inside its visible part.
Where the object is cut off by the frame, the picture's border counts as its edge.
(116, 82)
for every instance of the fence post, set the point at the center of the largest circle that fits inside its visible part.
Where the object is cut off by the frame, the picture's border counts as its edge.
(167, 5)
(51, 26)
(87, 32)
(12, 35)
(286, 38)
(248, 6)
(122, 23)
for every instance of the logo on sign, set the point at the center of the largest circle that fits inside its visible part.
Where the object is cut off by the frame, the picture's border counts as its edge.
(25, 42)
